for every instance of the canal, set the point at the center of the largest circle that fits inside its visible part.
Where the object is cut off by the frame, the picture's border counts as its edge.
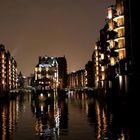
(76, 117)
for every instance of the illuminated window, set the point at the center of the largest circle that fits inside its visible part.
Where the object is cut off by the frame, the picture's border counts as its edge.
(102, 68)
(39, 68)
(2, 56)
(110, 12)
(97, 72)
(36, 69)
(55, 74)
(103, 76)
(3, 82)
(120, 21)
(102, 56)
(39, 76)
(97, 63)
(95, 47)
(120, 8)
(122, 54)
(121, 43)
(111, 25)
(112, 43)
(112, 61)
(97, 68)
(97, 78)
(97, 59)
(96, 53)
(121, 32)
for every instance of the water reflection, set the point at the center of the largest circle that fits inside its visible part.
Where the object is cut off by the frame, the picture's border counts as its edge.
(76, 117)
(9, 114)
(109, 120)
(63, 107)
(50, 116)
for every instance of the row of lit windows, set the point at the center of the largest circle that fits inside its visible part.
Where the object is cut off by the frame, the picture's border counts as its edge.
(41, 68)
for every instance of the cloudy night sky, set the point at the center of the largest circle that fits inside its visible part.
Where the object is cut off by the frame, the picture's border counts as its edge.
(33, 28)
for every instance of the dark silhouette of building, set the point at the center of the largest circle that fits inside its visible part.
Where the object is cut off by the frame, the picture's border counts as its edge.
(20, 80)
(62, 72)
(89, 74)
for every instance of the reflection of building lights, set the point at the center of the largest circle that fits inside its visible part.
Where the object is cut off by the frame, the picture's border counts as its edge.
(103, 76)
(110, 84)
(41, 94)
(122, 136)
(49, 107)
(41, 108)
(120, 81)
(17, 107)
(49, 94)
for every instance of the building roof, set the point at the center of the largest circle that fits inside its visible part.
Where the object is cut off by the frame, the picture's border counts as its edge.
(47, 62)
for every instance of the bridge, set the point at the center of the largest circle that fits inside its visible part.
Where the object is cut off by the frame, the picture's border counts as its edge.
(26, 90)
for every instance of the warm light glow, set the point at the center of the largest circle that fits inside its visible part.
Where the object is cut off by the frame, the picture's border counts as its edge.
(112, 61)
(110, 84)
(39, 76)
(97, 68)
(95, 47)
(41, 94)
(120, 81)
(111, 42)
(97, 72)
(111, 25)
(120, 21)
(42, 108)
(119, 29)
(36, 69)
(110, 13)
(120, 8)
(109, 16)
(96, 53)
(49, 95)
(97, 63)
(102, 56)
(2, 55)
(121, 43)
(102, 68)
(103, 76)
(117, 39)
(3, 82)
(97, 78)
(122, 53)
(118, 17)
(40, 69)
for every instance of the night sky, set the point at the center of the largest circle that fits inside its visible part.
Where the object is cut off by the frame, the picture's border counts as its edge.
(33, 28)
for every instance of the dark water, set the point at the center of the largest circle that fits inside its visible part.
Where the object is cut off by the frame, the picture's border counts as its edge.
(74, 118)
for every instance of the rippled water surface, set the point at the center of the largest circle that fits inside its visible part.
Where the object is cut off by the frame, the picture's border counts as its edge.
(76, 117)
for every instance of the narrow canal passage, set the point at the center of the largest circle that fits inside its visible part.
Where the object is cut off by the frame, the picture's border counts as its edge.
(74, 118)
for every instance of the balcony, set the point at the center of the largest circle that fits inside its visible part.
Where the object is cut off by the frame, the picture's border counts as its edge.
(121, 27)
(118, 17)
(119, 38)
